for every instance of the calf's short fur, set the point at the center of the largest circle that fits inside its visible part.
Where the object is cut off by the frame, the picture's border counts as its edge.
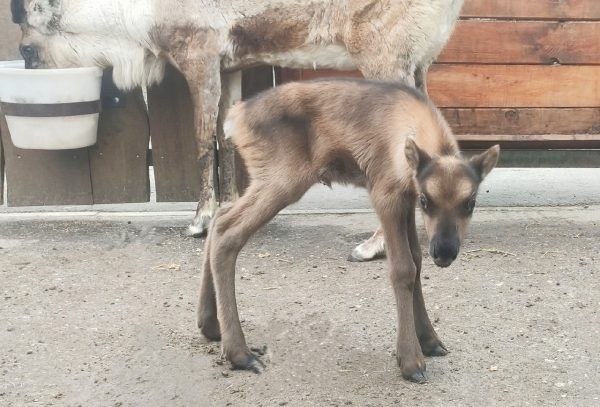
(383, 136)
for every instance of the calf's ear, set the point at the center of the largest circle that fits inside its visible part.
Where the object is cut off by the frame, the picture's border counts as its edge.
(485, 162)
(417, 159)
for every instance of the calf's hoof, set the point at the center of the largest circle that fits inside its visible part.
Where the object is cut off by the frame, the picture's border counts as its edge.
(434, 348)
(249, 360)
(438, 350)
(418, 376)
(413, 368)
(210, 329)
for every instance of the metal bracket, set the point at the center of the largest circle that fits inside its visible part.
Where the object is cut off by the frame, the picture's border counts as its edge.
(111, 96)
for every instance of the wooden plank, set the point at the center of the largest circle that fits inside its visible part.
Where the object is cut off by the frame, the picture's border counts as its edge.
(529, 137)
(176, 169)
(523, 42)
(119, 169)
(524, 121)
(307, 74)
(10, 34)
(454, 85)
(1, 170)
(231, 92)
(541, 158)
(527, 142)
(514, 86)
(37, 177)
(533, 9)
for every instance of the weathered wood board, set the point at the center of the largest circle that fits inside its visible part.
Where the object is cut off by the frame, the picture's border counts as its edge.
(118, 162)
(524, 42)
(9, 50)
(36, 177)
(176, 169)
(453, 85)
(528, 121)
(533, 9)
(1, 168)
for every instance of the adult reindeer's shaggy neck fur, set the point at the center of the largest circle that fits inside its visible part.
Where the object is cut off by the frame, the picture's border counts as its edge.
(113, 33)
(107, 33)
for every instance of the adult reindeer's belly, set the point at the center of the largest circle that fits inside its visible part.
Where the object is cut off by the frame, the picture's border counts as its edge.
(311, 57)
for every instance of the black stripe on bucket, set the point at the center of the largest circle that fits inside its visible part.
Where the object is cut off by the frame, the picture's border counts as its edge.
(50, 109)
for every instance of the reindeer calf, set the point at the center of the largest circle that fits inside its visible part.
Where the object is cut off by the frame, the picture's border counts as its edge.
(383, 136)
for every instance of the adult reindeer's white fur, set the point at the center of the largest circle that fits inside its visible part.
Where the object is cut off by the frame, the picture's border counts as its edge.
(384, 39)
(108, 33)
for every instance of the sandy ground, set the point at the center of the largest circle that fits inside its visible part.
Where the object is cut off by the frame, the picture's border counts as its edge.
(102, 313)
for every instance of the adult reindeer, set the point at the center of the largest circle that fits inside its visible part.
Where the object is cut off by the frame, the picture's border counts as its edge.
(208, 40)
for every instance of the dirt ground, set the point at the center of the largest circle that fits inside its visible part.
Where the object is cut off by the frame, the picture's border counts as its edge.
(102, 313)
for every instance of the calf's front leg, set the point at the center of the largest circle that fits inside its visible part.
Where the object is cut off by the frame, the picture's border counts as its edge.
(403, 273)
(431, 345)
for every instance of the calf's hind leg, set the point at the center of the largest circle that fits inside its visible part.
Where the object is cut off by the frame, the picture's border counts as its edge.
(230, 232)
(207, 305)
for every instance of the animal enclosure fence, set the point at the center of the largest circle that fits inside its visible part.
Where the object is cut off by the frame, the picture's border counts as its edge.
(525, 74)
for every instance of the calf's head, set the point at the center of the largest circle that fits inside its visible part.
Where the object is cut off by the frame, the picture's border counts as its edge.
(447, 191)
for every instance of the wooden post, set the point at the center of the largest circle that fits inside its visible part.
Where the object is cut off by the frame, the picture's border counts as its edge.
(227, 163)
(9, 50)
(1, 167)
(174, 152)
(118, 162)
(37, 177)
(233, 177)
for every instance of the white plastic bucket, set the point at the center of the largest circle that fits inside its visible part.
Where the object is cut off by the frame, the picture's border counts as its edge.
(50, 109)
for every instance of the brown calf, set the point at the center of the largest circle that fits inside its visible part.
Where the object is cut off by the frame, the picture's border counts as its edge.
(383, 136)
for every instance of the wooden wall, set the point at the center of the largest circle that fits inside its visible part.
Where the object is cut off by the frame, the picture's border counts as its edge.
(525, 73)
(9, 50)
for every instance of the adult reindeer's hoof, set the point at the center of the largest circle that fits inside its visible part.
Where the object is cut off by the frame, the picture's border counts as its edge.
(369, 249)
(199, 226)
(360, 253)
(195, 231)
(201, 221)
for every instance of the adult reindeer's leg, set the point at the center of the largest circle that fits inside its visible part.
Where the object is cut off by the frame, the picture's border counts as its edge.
(203, 76)
(394, 220)
(430, 343)
(230, 231)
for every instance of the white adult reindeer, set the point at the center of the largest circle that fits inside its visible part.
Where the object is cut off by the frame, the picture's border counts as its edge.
(209, 40)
